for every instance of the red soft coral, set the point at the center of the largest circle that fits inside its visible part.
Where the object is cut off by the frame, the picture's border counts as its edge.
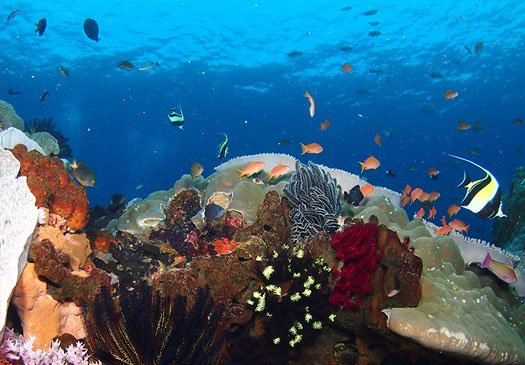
(356, 247)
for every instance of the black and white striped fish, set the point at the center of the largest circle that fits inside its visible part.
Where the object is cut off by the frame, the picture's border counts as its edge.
(483, 196)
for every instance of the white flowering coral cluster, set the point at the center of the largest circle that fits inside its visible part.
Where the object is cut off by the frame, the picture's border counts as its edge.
(15, 347)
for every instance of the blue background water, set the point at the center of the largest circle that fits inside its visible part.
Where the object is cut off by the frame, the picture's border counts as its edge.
(226, 63)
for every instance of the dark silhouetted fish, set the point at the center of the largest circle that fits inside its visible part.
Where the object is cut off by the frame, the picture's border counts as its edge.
(374, 23)
(346, 8)
(64, 71)
(436, 75)
(346, 48)
(391, 173)
(91, 29)
(354, 196)
(478, 47)
(12, 15)
(374, 33)
(14, 91)
(41, 26)
(44, 96)
(284, 141)
(370, 12)
(294, 54)
(126, 65)
(212, 211)
(376, 71)
(467, 49)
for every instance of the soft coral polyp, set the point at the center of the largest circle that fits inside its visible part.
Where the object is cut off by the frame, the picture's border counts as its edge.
(356, 248)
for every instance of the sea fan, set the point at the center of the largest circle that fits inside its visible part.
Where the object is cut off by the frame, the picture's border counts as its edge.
(147, 328)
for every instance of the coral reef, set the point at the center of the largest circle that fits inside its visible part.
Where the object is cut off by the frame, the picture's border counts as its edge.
(314, 199)
(509, 232)
(10, 137)
(149, 328)
(48, 125)
(48, 142)
(53, 188)
(8, 116)
(18, 217)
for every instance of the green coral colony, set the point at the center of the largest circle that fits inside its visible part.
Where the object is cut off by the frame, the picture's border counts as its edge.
(300, 267)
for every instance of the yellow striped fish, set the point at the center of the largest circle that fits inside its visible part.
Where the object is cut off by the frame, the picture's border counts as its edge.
(483, 196)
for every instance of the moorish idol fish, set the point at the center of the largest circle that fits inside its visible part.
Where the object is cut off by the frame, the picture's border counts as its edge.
(483, 196)
(176, 119)
(222, 148)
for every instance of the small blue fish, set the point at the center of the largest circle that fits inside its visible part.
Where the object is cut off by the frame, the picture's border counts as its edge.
(212, 212)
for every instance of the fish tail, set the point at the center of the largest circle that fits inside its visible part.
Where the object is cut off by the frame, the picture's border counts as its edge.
(241, 173)
(466, 228)
(362, 166)
(270, 176)
(486, 262)
(304, 149)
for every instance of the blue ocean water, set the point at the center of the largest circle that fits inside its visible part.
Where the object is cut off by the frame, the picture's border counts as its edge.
(228, 65)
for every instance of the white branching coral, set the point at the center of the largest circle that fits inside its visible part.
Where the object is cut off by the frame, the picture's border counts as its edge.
(18, 218)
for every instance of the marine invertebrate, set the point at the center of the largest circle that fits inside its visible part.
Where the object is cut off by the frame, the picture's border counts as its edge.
(48, 142)
(10, 137)
(48, 125)
(53, 188)
(149, 328)
(356, 248)
(313, 196)
(9, 117)
(19, 216)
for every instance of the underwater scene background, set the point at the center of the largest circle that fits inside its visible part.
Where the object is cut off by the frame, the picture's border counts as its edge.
(242, 68)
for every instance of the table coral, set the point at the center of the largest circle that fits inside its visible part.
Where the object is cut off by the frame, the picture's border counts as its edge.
(53, 188)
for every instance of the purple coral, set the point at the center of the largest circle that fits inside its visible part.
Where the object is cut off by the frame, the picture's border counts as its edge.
(16, 348)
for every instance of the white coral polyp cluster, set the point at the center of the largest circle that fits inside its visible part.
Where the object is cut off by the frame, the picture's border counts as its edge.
(16, 347)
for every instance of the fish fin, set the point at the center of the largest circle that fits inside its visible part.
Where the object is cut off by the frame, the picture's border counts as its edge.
(241, 173)
(486, 262)
(465, 182)
(307, 94)
(466, 160)
(362, 166)
(466, 228)
(73, 164)
(304, 149)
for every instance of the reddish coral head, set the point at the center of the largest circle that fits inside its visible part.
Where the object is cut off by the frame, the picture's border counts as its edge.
(224, 245)
(356, 248)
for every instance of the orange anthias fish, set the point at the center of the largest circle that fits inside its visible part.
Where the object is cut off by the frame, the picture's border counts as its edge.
(450, 94)
(425, 197)
(371, 163)
(346, 68)
(415, 194)
(252, 168)
(377, 139)
(458, 225)
(312, 103)
(433, 172)
(278, 171)
(432, 212)
(325, 125)
(433, 196)
(445, 229)
(501, 270)
(367, 189)
(405, 201)
(463, 126)
(453, 210)
(406, 190)
(420, 213)
(311, 148)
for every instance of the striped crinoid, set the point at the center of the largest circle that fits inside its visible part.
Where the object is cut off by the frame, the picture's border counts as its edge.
(314, 198)
(148, 328)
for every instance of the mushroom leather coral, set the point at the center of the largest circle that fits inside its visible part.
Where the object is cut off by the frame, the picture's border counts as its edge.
(356, 247)
(53, 188)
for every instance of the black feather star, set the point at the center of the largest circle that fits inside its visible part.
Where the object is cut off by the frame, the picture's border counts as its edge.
(147, 328)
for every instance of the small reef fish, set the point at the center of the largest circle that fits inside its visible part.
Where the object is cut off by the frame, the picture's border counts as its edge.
(12, 15)
(415, 195)
(390, 173)
(375, 71)
(176, 119)
(374, 33)
(420, 213)
(405, 201)
(64, 71)
(374, 23)
(377, 139)
(312, 103)
(251, 169)
(501, 270)
(406, 190)
(433, 196)
(311, 148)
(44, 96)
(41, 26)
(432, 212)
(453, 210)
(450, 94)
(367, 189)
(278, 171)
(126, 65)
(346, 68)
(223, 147)
(325, 125)
(354, 196)
(284, 141)
(370, 12)
(345, 48)
(12, 91)
(346, 8)
(436, 75)
(445, 229)
(212, 212)
(196, 170)
(483, 196)
(371, 163)
(295, 54)
(149, 66)
(139, 186)
(463, 126)
(517, 121)
(458, 225)
(91, 29)
(433, 173)
(478, 47)
(82, 173)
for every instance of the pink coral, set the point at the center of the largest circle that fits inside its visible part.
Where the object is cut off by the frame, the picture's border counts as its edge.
(356, 248)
